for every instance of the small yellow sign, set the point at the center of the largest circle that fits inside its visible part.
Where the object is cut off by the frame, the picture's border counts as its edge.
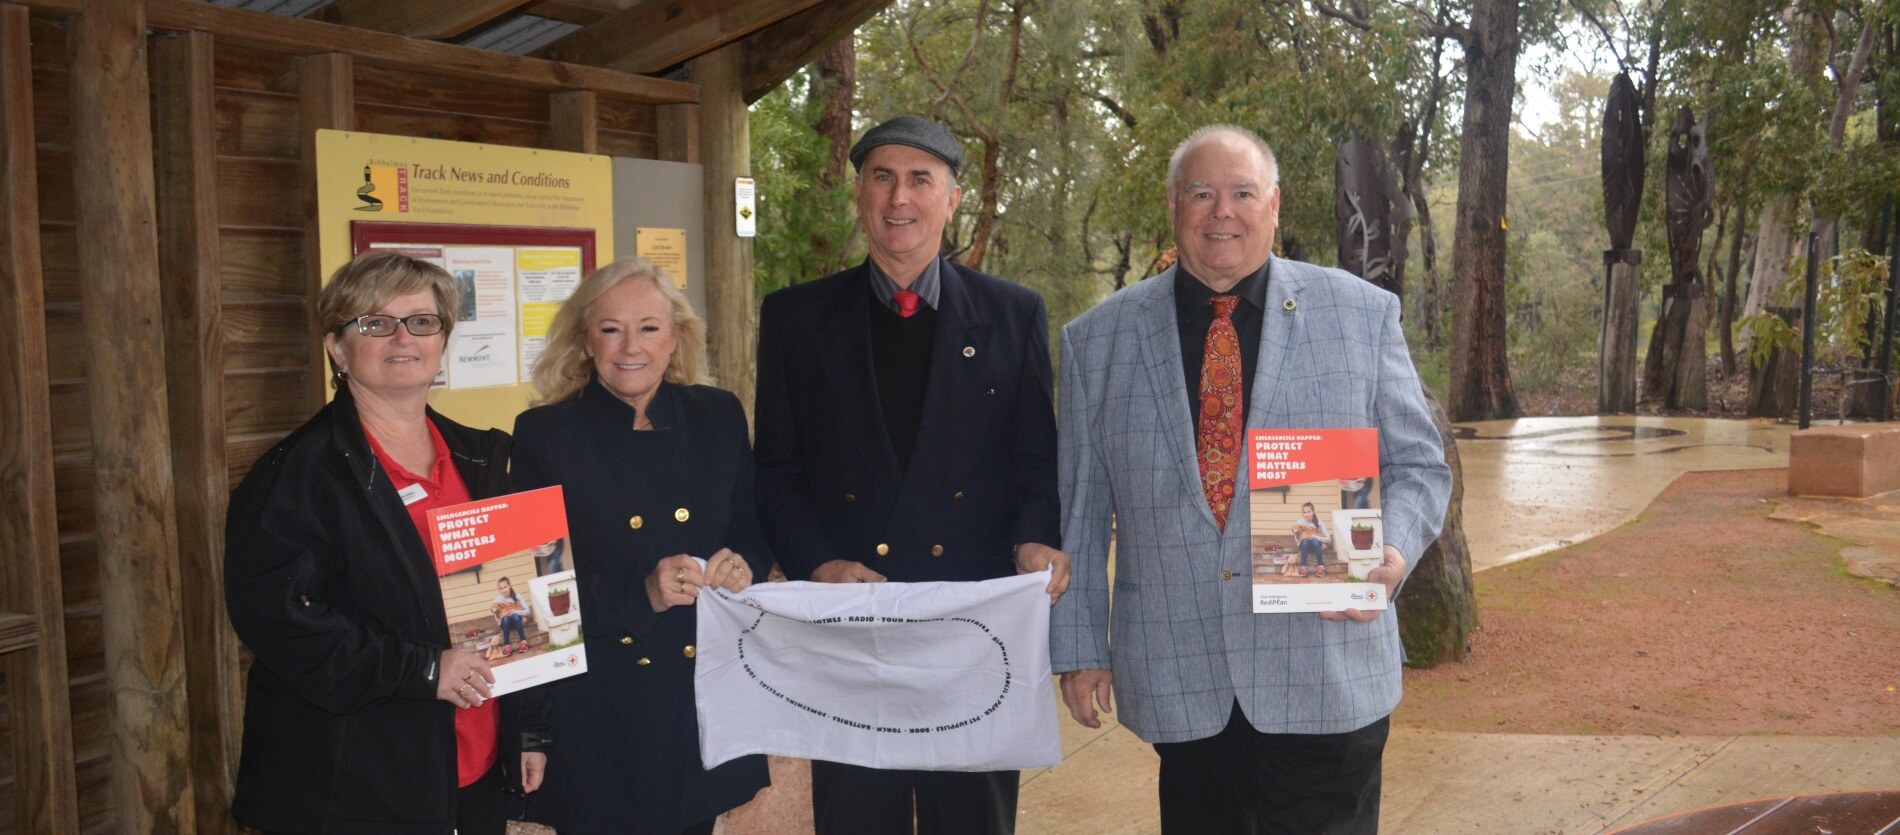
(665, 248)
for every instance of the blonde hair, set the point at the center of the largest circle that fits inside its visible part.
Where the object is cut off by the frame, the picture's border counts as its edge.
(564, 367)
(370, 280)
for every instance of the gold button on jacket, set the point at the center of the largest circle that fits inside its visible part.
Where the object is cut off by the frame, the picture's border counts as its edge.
(936, 550)
(689, 651)
(636, 522)
(644, 661)
(627, 641)
(883, 550)
(682, 515)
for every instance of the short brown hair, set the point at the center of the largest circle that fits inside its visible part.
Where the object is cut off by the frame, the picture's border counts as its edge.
(371, 279)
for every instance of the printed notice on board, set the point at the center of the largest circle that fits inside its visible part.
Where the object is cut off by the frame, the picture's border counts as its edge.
(482, 348)
(548, 276)
(666, 248)
(746, 212)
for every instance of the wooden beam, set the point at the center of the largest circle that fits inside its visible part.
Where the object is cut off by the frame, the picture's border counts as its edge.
(582, 12)
(574, 121)
(725, 151)
(772, 55)
(657, 34)
(296, 36)
(431, 19)
(326, 95)
(131, 430)
(678, 131)
(185, 139)
(44, 789)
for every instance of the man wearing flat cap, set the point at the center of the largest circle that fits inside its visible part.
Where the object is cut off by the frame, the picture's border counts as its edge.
(906, 432)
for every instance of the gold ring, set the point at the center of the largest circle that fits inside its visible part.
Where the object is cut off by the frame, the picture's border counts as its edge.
(680, 575)
(682, 588)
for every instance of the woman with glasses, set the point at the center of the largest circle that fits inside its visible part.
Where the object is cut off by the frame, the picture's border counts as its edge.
(359, 716)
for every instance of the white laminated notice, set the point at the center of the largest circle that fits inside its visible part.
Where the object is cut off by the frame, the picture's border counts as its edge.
(927, 676)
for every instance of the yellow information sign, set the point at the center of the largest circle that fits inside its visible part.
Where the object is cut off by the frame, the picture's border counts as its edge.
(664, 247)
(399, 179)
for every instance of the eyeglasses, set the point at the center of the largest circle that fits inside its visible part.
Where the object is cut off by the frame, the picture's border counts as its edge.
(421, 324)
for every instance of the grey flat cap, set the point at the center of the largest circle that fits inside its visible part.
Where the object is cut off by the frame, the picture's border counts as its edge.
(915, 132)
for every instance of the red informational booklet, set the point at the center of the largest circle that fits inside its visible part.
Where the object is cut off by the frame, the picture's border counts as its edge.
(507, 572)
(1314, 510)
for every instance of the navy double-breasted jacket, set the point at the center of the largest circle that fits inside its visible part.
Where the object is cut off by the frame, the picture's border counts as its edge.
(627, 755)
(982, 478)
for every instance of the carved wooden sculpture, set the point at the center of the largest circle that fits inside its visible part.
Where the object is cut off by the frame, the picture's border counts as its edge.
(1623, 139)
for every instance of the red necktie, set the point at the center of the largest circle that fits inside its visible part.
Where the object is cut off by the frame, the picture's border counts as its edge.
(906, 303)
(1217, 439)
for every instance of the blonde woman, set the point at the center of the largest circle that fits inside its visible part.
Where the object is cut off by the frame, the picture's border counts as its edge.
(657, 473)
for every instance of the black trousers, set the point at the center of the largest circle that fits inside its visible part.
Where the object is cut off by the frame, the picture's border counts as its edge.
(853, 800)
(1242, 782)
(481, 807)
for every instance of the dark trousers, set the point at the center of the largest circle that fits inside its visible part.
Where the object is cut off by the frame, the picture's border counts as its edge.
(481, 807)
(853, 800)
(1241, 782)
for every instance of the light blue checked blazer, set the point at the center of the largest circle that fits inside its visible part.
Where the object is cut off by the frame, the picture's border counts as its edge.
(1185, 643)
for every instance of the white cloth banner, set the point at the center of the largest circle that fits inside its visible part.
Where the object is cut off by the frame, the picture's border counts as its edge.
(928, 676)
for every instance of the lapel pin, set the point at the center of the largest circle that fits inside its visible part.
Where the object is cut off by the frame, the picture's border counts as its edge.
(1290, 306)
(969, 351)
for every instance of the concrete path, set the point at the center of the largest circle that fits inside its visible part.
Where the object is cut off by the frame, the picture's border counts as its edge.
(1508, 784)
(1531, 486)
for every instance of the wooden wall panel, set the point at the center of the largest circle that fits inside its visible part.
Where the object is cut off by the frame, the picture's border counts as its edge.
(265, 335)
(627, 116)
(71, 418)
(379, 85)
(65, 343)
(256, 124)
(237, 68)
(56, 184)
(254, 402)
(241, 451)
(258, 193)
(620, 144)
(59, 263)
(261, 266)
(458, 127)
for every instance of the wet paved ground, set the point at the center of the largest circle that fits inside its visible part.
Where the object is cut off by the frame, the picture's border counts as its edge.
(1531, 486)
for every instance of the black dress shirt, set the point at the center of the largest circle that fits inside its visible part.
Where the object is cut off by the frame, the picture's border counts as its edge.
(1194, 314)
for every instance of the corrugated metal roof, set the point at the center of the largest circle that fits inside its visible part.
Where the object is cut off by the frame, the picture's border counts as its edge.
(516, 34)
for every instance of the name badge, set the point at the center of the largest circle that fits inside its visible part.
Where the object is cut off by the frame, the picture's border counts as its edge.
(412, 494)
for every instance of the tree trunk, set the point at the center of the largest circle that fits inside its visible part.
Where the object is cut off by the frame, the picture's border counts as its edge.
(834, 81)
(1481, 386)
(1616, 341)
(1438, 608)
(1771, 385)
(1728, 292)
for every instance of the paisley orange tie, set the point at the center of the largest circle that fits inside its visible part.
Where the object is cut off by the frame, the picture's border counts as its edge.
(1217, 438)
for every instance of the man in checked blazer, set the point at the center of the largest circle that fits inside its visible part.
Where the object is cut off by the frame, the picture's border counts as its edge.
(1264, 722)
(906, 430)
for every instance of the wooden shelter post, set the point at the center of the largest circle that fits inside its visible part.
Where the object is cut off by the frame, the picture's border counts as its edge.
(326, 93)
(131, 432)
(186, 176)
(724, 148)
(33, 624)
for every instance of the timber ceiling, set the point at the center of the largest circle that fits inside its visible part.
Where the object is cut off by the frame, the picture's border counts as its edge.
(647, 37)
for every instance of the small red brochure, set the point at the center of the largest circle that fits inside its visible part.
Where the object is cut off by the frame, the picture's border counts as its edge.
(1314, 514)
(507, 574)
